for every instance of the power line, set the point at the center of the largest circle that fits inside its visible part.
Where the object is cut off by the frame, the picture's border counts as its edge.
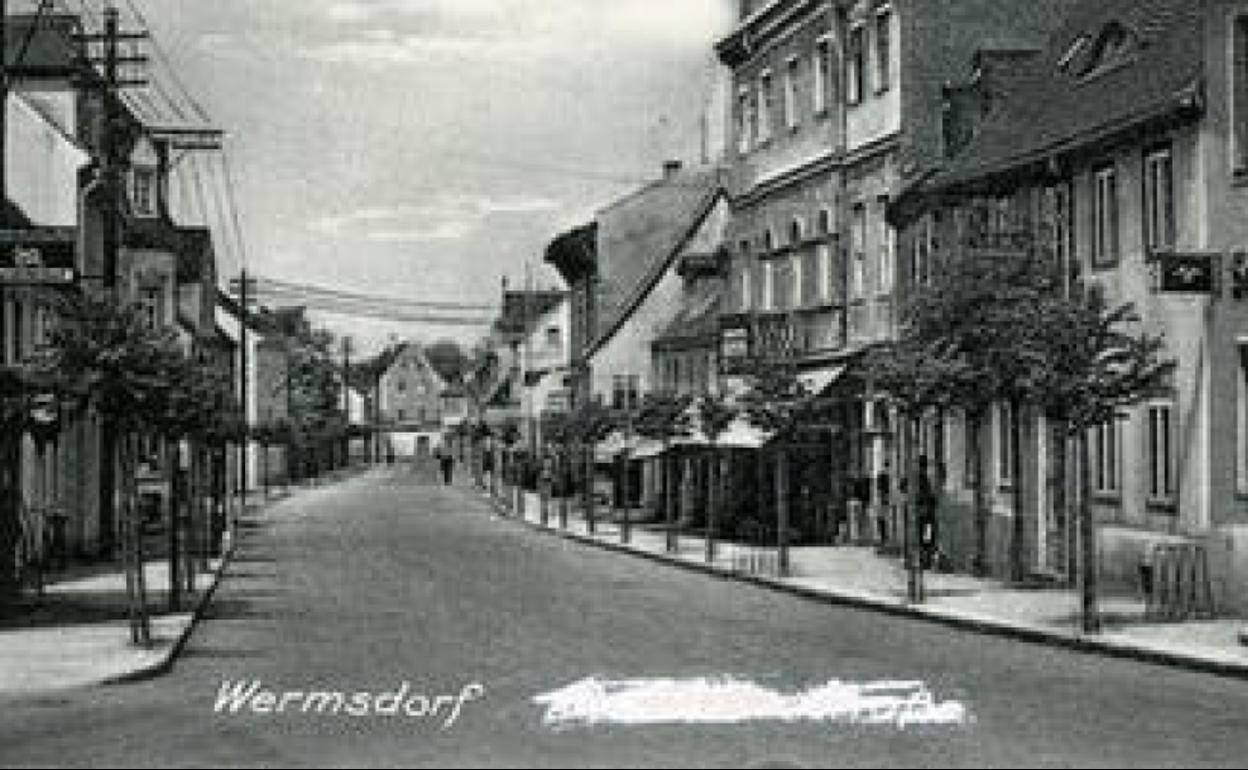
(278, 286)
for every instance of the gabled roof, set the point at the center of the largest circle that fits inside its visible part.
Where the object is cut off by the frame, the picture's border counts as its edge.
(641, 236)
(50, 48)
(1113, 65)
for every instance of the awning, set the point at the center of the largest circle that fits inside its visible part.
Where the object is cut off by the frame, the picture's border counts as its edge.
(743, 435)
(646, 449)
(817, 380)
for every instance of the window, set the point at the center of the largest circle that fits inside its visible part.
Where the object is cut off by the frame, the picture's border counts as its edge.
(790, 94)
(769, 241)
(798, 288)
(1159, 220)
(143, 191)
(823, 263)
(854, 61)
(1161, 451)
(402, 415)
(152, 306)
(745, 132)
(769, 286)
(1105, 218)
(401, 386)
(823, 222)
(625, 390)
(1239, 95)
(883, 49)
(1062, 218)
(820, 67)
(886, 271)
(747, 299)
(857, 276)
(1105, 458)
(797, 232)
(554, 340)
(923, 246)
(19, 331)
(1006, 462)
(764, 107)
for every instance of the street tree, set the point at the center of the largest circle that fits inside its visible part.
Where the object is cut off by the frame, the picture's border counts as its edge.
(665, 417)
(121, 368)
(1094, 360)
(776, 402)
(716, 412)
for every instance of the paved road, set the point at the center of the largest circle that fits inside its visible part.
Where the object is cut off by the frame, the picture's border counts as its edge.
(389, 578)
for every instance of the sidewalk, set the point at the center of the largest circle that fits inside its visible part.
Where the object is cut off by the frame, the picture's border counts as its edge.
(858, 576)
(77, 634)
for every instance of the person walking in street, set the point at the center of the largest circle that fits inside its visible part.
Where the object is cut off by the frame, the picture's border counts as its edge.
(447, 461)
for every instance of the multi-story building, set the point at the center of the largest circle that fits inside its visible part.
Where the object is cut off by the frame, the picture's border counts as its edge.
(837, 105)
(1120, 152)
(410, 403)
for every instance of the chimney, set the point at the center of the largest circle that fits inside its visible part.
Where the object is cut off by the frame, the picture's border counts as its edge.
(671, 168)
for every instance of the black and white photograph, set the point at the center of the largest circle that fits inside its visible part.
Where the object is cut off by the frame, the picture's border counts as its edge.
(623, 383)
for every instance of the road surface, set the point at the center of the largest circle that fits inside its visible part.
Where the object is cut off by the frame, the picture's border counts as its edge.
(390, 579)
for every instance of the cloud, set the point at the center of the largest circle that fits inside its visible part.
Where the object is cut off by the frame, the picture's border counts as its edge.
(494, 29)
(448, 217)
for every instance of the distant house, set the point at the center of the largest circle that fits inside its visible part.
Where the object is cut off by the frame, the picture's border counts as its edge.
(410, 405)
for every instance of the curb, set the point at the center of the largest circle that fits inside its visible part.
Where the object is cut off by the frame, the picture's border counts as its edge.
(165, 664)
(979, 624)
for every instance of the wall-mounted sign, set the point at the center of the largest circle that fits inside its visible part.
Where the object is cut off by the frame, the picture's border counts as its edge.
(36, 276)
(734, 344)
(1187, 273)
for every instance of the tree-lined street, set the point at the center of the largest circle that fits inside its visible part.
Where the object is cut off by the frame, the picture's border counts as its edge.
(389, 578)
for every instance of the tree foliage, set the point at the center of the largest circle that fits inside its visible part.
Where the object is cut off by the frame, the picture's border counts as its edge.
(664, 417)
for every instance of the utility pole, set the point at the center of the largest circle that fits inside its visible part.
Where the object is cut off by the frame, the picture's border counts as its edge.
(242, 286)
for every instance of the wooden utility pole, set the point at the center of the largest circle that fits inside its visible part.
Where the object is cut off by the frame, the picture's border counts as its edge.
(242, 286)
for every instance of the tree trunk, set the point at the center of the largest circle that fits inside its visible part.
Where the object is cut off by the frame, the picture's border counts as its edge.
(1060, 480)
(136, 582)
(177, 499)
(912, 551)
(1018, 539)
(626, 526)
(980, 566)
(669, 509)
(1087, 542)
(782, 511)
(712, 505)
(590, 503)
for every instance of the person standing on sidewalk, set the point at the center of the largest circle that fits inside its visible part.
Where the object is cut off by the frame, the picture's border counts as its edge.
(926, 510)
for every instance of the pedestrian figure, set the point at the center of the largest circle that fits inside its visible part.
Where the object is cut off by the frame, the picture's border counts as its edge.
(925, 505)
(448, 466)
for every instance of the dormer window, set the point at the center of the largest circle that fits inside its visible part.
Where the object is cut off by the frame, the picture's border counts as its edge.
(1089, 56)
(143, 192)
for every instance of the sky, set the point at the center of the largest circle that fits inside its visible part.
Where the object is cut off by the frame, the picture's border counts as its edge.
(425, 148)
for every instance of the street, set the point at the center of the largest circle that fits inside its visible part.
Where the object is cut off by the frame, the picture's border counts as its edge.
(389, 578)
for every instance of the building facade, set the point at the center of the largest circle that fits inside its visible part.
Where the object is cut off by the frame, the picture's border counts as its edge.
(1117, 156)
(836, 108)
(410, 404)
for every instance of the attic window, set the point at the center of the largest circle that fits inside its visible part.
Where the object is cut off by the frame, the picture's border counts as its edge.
(1089, 56)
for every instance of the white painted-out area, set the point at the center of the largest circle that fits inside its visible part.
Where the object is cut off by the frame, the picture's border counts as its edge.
(729, 700)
